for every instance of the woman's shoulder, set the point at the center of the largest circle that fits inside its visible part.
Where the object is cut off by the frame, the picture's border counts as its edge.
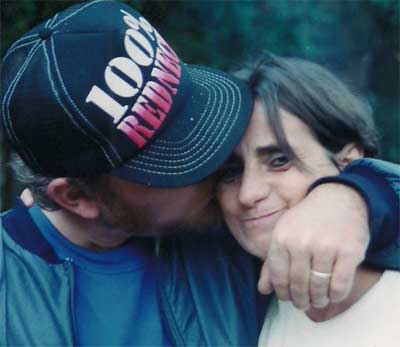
(386, 290)
(392, 278)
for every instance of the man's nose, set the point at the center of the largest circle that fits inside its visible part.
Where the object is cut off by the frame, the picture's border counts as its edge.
(253, 188)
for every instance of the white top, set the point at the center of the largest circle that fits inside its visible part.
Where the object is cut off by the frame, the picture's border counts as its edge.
(372, 321)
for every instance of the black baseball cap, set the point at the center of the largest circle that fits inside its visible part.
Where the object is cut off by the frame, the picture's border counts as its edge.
(96, 89)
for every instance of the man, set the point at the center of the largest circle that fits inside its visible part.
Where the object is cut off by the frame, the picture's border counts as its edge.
(117, 138)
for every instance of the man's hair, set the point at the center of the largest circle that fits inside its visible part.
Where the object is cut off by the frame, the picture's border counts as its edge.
(38, 184)
(335, 114)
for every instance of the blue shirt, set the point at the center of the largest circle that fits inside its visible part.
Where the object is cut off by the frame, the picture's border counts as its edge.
(115, 297)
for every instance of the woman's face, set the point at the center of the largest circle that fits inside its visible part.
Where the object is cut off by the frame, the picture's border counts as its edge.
(259, 183)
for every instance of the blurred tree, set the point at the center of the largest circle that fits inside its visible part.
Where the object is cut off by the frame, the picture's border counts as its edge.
(359, 40)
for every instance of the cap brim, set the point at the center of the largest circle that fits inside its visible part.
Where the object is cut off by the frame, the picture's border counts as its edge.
(196, 142)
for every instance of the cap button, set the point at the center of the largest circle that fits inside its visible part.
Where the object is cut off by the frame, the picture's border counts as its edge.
(45, 33)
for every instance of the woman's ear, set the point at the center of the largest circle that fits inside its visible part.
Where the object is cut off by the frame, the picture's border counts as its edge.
(348, 153)
(72, 198)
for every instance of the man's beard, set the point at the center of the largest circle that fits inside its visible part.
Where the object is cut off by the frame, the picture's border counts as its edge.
(117, 215)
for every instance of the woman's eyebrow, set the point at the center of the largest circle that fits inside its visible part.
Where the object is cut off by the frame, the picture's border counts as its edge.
(268, 150)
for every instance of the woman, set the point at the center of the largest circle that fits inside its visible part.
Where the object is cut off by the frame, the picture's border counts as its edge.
(306, 124)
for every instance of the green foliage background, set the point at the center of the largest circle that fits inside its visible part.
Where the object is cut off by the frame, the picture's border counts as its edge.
(359, 40)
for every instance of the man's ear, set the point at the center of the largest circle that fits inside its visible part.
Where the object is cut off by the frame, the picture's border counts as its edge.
(73, 199)
(349, 153)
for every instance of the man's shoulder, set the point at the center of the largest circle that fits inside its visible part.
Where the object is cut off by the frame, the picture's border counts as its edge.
(4, 215)
(19, 210)
(5, 219)
(21, 231)
(12, 221)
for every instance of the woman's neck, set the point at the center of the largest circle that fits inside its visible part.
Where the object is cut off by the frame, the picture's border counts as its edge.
(364, 280)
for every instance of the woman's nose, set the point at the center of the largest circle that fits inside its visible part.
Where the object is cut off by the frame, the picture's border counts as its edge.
(253, 188)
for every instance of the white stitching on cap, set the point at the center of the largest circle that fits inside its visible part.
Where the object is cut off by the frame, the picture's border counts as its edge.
(191, 149)
(201, 124)
(201, 127)
(52, 20)
(47, 23)
(187, 158)
(201, 79)
(17, 77)
(22, 39)
(11, 88)
(14, 45)
(181, 166)
(200, 144)
(198, 158)
(66, 110)
(175, 167)
(70, 99)
(76, 12)
(7, 100)
(10, 51)
(105, 139)
(195, 129)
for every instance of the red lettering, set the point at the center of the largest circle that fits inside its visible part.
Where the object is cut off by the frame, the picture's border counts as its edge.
(135, 131)
(159, 95)
(165, 46)
(148, 113)
(164, 62)
(166, 79)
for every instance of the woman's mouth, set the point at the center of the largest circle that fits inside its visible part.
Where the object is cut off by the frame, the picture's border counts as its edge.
(262, 219)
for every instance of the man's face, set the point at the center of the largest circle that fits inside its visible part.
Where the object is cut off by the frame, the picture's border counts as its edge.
(149, 211)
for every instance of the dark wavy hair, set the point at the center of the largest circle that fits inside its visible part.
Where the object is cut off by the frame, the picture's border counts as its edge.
(335, 114)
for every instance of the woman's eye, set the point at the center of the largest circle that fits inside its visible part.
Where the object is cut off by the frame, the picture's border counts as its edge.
(229, 174)
(278, 161)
